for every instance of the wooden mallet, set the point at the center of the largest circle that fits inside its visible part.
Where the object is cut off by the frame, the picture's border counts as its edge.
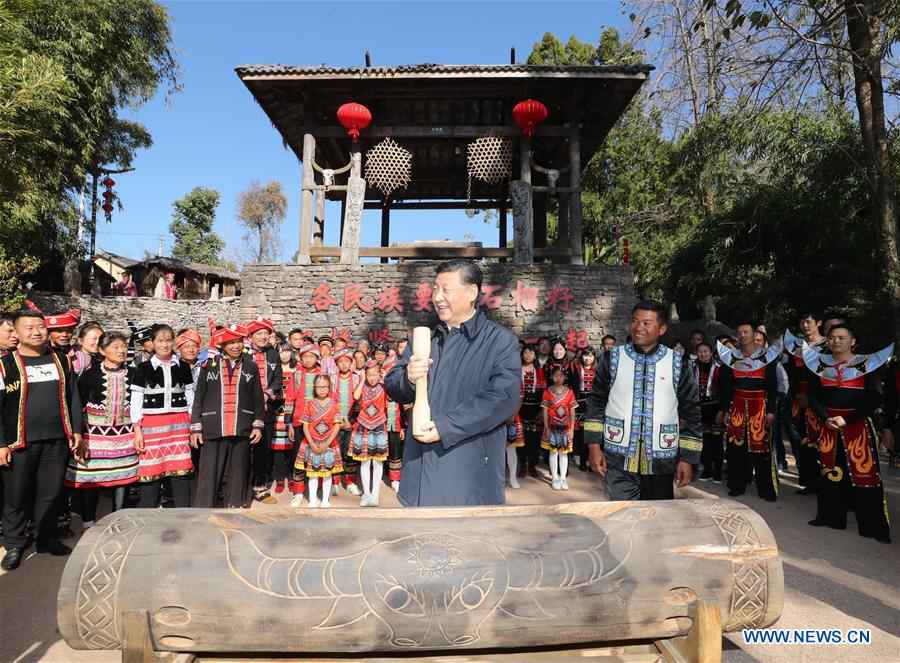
(421, 349)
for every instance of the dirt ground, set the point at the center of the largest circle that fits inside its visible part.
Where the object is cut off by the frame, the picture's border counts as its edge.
(832, 580)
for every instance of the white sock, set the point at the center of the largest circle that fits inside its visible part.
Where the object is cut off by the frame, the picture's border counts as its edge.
(365, 471)
(512, 461)
(314, 489)
(377, 472)
(554, 465)
(326, 491)
(563, 466)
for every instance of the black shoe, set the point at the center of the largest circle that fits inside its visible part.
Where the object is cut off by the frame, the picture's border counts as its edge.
(54, 547)
(735, 493)
(532, 472)
(808, 490)
(815, 522)
(12, 559)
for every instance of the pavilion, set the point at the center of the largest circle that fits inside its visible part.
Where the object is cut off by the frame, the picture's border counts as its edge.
(443, 137)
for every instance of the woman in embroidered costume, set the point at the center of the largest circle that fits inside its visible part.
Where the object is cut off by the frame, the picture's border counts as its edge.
(281, 443)
(395, 427)
(532, 390)
(845, 394)
(706, 371)
(319, 455)
(302, 390)
(559, 427)
(111, 461)
(559, 358)
(87, 352)
(583, 372)
(345, 384)
(370, 445)
(161, 397)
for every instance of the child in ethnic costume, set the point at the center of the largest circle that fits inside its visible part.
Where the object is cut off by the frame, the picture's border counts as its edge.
(161, 396)
(281, 443)
(395, 431)
(515, 440)
(345, 384)
(226, 420)
(302, 391)
(583, 372)
(370, 446)
(111, 461)
(559, 427)
(532, 391)
(845, 394)
(320, 454)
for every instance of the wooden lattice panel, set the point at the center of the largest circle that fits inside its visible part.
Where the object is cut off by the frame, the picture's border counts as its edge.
(388, 167)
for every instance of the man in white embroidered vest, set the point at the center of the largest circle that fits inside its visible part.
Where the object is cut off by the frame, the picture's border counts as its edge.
(642, 426)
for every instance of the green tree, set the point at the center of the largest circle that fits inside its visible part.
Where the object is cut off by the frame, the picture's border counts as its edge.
(261, 209)
(192, 223)
(66, 68)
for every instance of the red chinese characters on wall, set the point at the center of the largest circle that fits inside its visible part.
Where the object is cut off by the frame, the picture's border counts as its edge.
(577, 338)
(321, 298)
(380, 336)
(353, 296)
(390, 300)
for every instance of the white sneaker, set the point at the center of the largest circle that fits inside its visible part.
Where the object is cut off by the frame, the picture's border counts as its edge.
(364, 500)
(513, 482)
(373, 500)
(325, 504)
(395, 486)
(353, 489)
(563, 484)
(556, 484)
(297, 500)
(313, 503)
(576, 460)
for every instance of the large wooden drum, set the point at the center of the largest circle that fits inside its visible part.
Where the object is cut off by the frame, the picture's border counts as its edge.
(418, 580)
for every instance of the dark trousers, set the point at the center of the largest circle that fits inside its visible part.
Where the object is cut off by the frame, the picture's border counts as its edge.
(297, 483)
(262, 458)
(31, 486)
(351, 466)
(225, 464)
(179, 487)
(195, 460)
(281, 464)
(778, 432)
(395, 456)
(623, 485)
(711, 455)
(762, 465)
(91, 496)
(835, 497)
(530, 454)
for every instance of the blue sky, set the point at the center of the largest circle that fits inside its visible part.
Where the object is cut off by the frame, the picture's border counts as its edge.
(213, 133)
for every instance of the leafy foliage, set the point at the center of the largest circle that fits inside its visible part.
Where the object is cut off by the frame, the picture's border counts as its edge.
(192, 223)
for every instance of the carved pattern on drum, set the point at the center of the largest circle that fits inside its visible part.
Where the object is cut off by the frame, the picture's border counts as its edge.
(449, 586)
(96, 615)
(749, 599)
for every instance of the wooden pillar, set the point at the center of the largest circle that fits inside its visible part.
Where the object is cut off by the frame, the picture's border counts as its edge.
(523, 211)
(502, 224)
(306, 198)
(575, 246)
(343, 212)
(356, 196)
(385, 224)
(319, 221)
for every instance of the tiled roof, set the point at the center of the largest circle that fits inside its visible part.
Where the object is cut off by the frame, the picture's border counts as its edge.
(437, 69)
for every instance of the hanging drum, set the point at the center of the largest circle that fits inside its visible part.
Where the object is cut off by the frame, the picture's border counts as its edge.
(388, 167)
(489, 160)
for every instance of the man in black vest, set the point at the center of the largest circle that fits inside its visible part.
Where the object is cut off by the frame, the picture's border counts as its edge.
(40, 422)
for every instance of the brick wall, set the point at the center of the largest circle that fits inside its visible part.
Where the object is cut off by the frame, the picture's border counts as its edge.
(114, 313)
(598, 299)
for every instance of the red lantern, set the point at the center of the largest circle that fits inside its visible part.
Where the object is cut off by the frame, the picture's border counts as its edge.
(108, 182)
(107, 207)
(354, 117)
(529, 114)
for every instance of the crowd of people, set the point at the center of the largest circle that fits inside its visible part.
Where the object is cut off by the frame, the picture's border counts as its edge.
(159, 416)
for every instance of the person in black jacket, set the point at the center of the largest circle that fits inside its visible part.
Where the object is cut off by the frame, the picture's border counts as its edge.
(226, 419)
(268, 363)
(40, 422)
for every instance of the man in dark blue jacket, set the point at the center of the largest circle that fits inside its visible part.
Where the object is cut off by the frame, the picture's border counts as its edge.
(473, 389)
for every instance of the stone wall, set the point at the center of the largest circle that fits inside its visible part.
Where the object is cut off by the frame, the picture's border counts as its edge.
(115, 313)
(532, 300)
